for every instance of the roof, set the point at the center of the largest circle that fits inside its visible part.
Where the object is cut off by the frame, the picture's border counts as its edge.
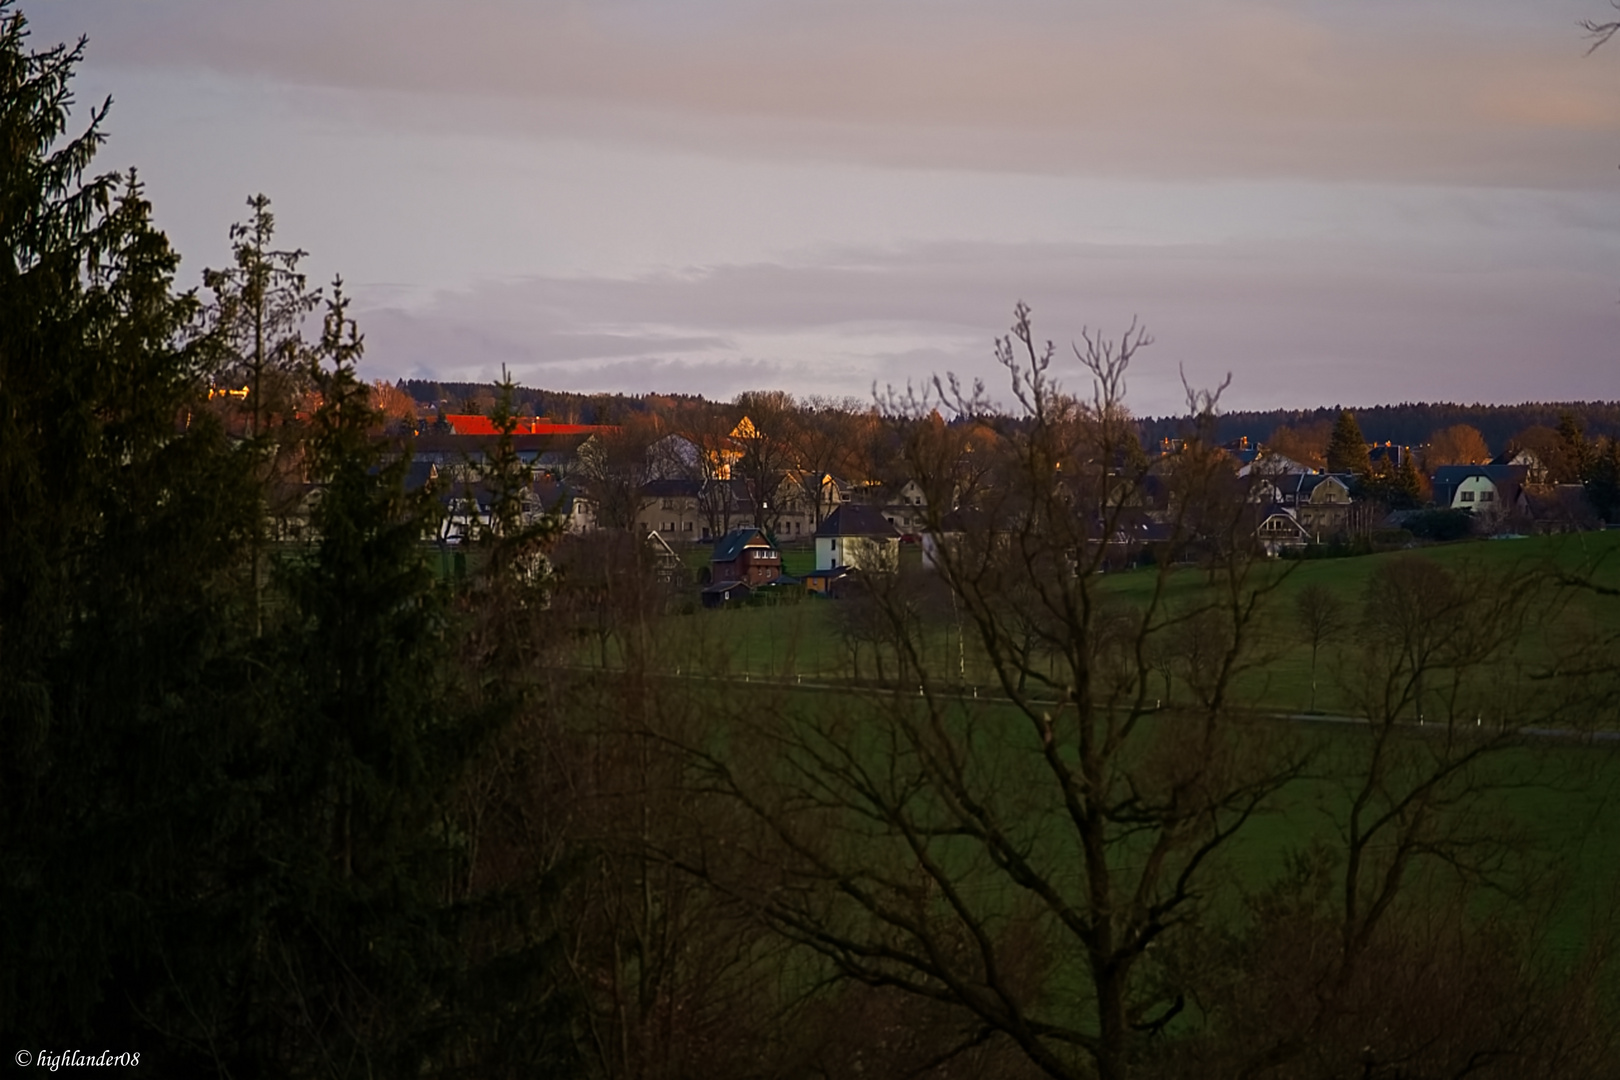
(473, 424)
(730, 546)
(835, 572)
(419, 474)
(672, 489)
(1496, 474)
(851, 520)
(451, 447)
(1523, 456)
(1305, 483)
(1275, 512)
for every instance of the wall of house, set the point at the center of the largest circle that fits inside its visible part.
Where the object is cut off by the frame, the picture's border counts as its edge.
(1476, 493)
(859, 552)
(676, 519)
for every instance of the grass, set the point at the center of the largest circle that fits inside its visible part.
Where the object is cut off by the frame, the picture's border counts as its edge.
(1558, 800)
(803, 640)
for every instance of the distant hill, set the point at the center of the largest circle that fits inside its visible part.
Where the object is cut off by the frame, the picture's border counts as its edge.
(1407, 424)
(557, 405)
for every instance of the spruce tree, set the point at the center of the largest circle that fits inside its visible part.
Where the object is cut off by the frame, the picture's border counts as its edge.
(124, 509)
(254, 325)
(380, 951)
(1575, 453)
(1347, 450)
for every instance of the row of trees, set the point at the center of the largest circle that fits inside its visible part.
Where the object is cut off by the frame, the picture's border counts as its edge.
(1408, 424)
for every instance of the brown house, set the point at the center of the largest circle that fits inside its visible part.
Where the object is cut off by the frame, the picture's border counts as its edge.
(746, 555)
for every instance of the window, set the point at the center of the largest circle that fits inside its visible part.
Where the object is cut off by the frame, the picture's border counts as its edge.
(1468, 496)
(1487, 496)
(688, 526)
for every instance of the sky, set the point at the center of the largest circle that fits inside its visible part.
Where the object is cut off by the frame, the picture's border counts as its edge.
(1336, 203)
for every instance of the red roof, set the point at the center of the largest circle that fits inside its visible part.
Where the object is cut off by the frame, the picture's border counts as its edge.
(473, 424)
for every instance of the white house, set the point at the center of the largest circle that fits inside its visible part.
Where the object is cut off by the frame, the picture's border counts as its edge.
(858, 537)
(1482, 490)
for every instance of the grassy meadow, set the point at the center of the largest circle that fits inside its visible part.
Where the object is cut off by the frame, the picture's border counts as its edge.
(807, 641)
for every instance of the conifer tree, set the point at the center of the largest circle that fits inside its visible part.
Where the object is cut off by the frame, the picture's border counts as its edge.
(382, 955)
(1347, 450)
(254, 325)
(123, 512)
(1575, 452)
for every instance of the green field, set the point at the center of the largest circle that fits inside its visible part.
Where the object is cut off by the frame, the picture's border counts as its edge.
(1559, 802)
(804, 641)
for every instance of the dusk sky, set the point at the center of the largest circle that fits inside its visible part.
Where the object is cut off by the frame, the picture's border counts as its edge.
(1349, 202)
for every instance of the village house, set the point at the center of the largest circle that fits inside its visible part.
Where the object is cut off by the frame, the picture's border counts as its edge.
(1279, 528)
(1320, 503)
(746, 555)
(857, 537)
(1486, 491)
(744, 560)
(674, 509)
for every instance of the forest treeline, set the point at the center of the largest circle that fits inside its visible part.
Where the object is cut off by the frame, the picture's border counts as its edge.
(321, 802)
(1407, 424)
(560, 406)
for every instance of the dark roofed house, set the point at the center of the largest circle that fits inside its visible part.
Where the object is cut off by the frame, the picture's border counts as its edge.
(746, 555)
(1482, 490)
(859, 537)
(1320, 502)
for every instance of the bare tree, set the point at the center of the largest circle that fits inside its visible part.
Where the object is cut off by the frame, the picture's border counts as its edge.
(963, 853)
(1600, 31)
(765, 437)
(1390, 912)
(614, 465)
(1322, 618)
(824, 443)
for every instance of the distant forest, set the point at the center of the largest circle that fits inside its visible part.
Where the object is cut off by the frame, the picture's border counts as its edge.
(558, 405)
(1406, 424)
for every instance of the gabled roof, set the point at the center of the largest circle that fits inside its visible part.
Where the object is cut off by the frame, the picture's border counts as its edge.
(1523, 457)
(473, 424)
(1275, 512)
(419, 474)
(672, 489)
(1496, 474)
(853, 520)
(731, 545)
(1302, 484)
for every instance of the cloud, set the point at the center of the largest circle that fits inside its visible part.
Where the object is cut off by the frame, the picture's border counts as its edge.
(1432, 92)
(1294, 329)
